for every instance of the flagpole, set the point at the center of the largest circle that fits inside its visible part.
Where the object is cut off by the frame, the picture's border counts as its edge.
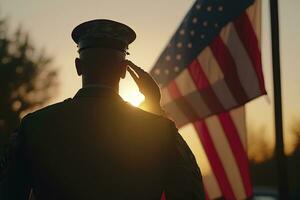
(279, 147)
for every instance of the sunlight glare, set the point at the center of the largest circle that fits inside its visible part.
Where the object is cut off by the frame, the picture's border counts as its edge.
(135, 98)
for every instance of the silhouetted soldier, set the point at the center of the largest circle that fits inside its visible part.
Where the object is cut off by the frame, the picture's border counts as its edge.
(95, 145)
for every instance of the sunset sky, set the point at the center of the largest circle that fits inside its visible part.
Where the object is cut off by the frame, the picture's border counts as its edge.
(50, 24)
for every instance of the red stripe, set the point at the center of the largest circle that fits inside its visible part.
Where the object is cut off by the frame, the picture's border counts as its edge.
(198, 75)
(206, 193)
(248, 37)
(202, 83)
(214, 159)
(173, 90)
(237, 150)
(229, 69)
(181, 102)
(163, 196)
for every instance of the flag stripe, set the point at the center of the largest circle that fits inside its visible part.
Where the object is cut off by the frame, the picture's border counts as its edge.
(185, 83)
(206, 194)
(181, 102)
(189, 91)
(245, 70)
(237, 149)
(171, 108)
(210, 66)
(223, 92)
(207, 93)
(214, 159)
(228, 66)
(254, 15)
(239, 119)
(248, 38)
(211, 184)
(199, 106)
(165, 97)
(225, 153)
(215, 77)
(174, 113)
(209, 180)
(198, 75)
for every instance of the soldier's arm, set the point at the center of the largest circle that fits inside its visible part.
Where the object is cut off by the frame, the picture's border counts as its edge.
(148, 87)
(183, 176)
(14, 179)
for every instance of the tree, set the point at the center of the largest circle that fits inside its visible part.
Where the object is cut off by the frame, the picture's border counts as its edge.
(260, 148)
(27, 80)
(295, 130)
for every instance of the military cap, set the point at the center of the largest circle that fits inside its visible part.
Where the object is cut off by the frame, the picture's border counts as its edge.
(103, 33)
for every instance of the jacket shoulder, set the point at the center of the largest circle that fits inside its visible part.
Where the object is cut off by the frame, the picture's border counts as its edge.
(45, 111)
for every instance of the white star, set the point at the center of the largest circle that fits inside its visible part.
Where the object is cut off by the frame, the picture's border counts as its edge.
(168, 58)
(216, 25)
(209, 8)
(205, 23)
(195, 20)
(157, 71)
(220, 8)
(192, 32)
(178, 57)
(176, 69)
(166, 71)
(181, 32)
(179, 45)
(198, 6)
(190, 45)
(202, 36)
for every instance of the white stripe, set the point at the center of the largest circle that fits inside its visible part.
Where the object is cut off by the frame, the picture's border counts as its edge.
(254, 14)
(165, 96)
(191, 137)
(185, 83)
(239, 119)
(215, 77)
(187, 88)
(211, 185)
(170, 107)
(198, 104)
(226, 156)
(210, 66)
(224, 94)
(175, 114)
(245, 70)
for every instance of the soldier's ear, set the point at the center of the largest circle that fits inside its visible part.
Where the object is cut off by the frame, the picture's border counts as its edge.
(79, 66)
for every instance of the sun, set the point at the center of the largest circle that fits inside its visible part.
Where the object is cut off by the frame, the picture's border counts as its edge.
(135, 98)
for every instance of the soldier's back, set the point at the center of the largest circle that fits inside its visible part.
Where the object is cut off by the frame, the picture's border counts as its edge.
(96, 146)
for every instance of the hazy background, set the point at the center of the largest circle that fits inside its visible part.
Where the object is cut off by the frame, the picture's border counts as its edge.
(50, 23)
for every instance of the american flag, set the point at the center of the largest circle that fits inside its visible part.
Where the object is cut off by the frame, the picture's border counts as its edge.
(209, 69)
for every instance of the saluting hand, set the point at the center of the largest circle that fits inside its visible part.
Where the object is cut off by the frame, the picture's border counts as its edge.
(147, 86)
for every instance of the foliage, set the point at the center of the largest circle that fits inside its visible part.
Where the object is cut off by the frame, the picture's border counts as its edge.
(295, 130)
(260, 147)
(27, 80)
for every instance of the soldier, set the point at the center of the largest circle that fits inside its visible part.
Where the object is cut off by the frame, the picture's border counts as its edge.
(95, 145)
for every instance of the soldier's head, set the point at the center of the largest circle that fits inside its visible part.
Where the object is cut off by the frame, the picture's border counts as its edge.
(102, 46)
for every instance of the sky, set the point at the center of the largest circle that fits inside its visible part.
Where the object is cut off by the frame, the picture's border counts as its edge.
(50, 24)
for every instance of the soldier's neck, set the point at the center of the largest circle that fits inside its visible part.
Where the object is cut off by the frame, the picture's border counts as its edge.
(105, 84)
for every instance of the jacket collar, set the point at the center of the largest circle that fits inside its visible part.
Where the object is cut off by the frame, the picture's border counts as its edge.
(97, 91)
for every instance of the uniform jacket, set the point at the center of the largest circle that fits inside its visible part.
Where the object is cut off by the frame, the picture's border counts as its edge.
(97, 146)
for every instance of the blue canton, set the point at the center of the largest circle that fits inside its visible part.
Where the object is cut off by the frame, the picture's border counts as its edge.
(200, 26)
